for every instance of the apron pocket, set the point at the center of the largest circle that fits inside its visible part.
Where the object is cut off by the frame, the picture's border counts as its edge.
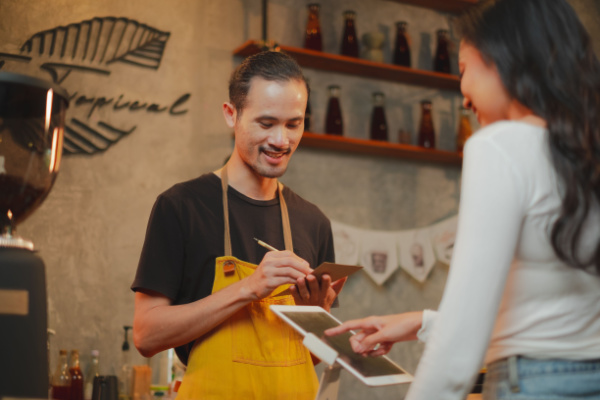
(259, 337)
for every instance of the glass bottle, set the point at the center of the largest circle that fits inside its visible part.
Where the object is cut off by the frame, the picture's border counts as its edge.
(93, 371)
(307, 117)
(349, 40)
(61, 379)
(312, 38)
(426, 132)
(402, 48)
(464, 129)
(379, 129)
(441, 62)
(333, 121)
(76, 377)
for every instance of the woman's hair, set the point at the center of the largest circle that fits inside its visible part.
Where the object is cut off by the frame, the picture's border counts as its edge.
(546, 62)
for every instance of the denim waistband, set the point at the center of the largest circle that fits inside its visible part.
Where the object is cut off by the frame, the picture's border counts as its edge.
(516, 367)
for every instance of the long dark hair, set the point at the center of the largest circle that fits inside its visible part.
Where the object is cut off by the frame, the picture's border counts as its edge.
(546, 62)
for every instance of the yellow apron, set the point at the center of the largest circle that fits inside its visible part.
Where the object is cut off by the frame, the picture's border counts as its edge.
(253, 354)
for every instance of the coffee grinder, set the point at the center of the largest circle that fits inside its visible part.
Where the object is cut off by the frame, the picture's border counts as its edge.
(32, 117)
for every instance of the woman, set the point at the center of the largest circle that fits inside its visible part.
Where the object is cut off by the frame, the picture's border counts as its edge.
(523, 292)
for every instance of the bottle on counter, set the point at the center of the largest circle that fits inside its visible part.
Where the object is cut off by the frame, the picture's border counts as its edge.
(402, 47)
(333, 120)
(349, 39)
(379, 129)
(61, 379)
(93, 371)
(76, 377)
(441, 62)
(464, 129)
(426, 131)
(126, 372)
(312, 38)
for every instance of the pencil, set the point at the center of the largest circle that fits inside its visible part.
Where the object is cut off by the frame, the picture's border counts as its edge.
(265, 245)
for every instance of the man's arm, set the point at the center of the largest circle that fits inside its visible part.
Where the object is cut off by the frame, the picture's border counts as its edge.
(159, 325)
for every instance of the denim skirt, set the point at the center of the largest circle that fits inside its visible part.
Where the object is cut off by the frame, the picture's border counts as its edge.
(521, 378)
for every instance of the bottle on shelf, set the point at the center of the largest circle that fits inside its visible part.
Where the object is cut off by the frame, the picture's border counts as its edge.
(307, 117)
(402, 47)
(333, 120)
(441, 62)
(464, 129)
(349, 40)
(308, 111)
(312, 38)
(126, 372)
(379, 129)
(92, 371)
(61, 379)
(76, 377)
(426, 131)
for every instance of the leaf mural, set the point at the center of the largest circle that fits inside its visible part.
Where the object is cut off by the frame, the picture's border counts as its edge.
(93, 46)
(96, 43)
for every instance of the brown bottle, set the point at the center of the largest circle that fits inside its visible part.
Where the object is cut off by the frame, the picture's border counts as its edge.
(441, 62)
(312, 39)
(379, 129)
(333, 120)
(76, 377)
(464, 129)
(349, 40)
(426, 132)
(402, 48)
(61, 379)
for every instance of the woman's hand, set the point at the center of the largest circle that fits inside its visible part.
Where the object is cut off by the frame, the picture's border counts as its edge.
(377, 334)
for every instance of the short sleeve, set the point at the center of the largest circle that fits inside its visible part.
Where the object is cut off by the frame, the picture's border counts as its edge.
(161, 262)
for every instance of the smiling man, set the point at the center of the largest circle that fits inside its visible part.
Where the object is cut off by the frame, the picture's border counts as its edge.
(204, 286)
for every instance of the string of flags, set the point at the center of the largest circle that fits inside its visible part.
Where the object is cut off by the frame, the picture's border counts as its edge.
(382, 252)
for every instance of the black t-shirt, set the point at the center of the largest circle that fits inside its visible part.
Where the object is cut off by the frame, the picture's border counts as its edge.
(185, 235)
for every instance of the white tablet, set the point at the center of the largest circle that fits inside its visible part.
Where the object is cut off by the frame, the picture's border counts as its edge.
(373, 371)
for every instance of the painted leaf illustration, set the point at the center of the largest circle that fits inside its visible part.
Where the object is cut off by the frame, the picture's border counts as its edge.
(96, 43)
(92, 46)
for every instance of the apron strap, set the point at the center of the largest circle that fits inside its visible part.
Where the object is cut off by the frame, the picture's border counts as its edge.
(285, 218)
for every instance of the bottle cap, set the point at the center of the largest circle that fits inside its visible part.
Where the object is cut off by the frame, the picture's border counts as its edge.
(95, 353)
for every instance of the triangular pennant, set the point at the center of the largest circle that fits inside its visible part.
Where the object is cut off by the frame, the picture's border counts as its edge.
(378, 255)
(346, 241)
(416, 253)
(442, 237)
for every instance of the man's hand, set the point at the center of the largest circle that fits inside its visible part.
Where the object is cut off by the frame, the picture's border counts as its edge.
(276, 268)
(308, 292)
(377, 334)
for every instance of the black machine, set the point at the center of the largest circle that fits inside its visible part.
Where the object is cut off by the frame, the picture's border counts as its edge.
(32, 117)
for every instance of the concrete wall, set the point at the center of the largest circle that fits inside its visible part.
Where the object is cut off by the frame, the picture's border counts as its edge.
(91, 228)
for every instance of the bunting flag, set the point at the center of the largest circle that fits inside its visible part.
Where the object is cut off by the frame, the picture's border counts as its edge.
(346, 241)
(378, 255)
(416, 253)
(382, 252)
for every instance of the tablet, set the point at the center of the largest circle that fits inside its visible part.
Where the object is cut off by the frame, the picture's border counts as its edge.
(372, 371)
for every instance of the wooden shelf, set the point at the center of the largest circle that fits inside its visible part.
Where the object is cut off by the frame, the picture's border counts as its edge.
(453, 6)
(360, 67)
(379, 148)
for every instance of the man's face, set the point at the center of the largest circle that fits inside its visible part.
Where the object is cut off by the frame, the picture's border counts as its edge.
(269, 128)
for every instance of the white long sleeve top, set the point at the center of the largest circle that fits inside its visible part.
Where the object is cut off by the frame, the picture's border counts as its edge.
(507, 293)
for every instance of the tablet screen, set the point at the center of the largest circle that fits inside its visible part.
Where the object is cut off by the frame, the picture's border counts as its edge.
(318, 322)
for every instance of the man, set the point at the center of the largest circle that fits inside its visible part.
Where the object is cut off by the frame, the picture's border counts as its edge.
(204, 285)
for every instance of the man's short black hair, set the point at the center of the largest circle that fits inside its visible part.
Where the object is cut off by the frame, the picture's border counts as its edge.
(269, 65)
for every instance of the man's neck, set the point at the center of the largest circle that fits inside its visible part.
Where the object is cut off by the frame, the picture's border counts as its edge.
(247, 182)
